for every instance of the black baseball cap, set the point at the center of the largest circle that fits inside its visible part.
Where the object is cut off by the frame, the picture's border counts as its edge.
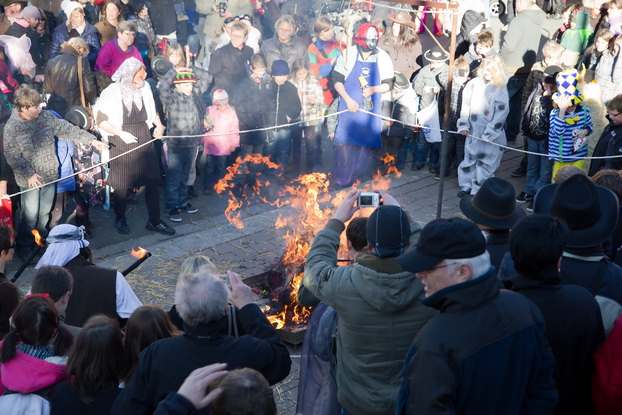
(441, 239)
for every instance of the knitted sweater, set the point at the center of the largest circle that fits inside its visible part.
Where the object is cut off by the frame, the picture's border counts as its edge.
(561, 138)
(29, 145)
(320, 56)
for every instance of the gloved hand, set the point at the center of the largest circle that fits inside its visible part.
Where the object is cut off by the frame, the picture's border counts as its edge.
(128, 138)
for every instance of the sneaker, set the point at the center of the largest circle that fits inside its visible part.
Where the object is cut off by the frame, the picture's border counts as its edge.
(524, 197)
(433, 168)
(188, 209)
(529, 207)
(463, 193)
(174, 216)
(416, 167)
(122, 226)
(161, 227)
(519, 172)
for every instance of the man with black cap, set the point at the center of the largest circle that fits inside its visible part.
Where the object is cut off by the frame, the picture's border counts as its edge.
(591, 213)
(377, 303)
(493, 209)
(486, 352)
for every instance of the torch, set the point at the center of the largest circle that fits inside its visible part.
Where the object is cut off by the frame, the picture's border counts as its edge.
(40, 244)
(142, 255)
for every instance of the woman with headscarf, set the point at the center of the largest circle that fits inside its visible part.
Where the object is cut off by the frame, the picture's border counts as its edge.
(362, 74)
(125, 114)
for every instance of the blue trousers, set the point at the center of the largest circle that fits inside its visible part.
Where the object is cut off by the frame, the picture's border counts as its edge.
(176, 183)
(423, 148)
(215, 169)
(36, 208)
(539, 168)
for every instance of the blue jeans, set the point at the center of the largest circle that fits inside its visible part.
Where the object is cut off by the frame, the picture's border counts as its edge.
(539, 168)
(422, 148)
(176, 183)
(215, 169)
(36, 208)
(515, 86)
(280, 147)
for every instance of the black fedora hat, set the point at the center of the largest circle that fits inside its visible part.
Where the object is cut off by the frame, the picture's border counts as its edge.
(494, 205)
(590, 211)
(161, 65)
(436, 54)
(79, 116)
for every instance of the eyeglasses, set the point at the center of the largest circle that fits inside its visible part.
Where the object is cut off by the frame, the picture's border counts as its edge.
(613, 115)
(437, 267)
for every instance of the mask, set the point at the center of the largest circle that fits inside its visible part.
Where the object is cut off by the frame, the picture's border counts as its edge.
(366, 37)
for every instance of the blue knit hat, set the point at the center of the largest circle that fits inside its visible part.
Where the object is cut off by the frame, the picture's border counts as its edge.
(280, 68)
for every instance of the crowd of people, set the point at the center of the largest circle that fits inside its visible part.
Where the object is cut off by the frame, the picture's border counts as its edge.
(500, 313)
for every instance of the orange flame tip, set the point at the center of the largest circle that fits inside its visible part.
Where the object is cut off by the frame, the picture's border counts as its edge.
(140, 253)
(38, 238)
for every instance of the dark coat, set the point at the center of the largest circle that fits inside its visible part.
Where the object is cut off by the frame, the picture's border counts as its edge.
(609, 144)
(17, 30)
(254, 104)
(90, 36)
(61, 81)
(602, 277)
(287, 102)
(164, 365)
(66, 401)
(485, 353)
(228, 67)
(574, 330)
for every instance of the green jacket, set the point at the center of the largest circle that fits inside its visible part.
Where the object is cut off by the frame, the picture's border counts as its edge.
(380, 314)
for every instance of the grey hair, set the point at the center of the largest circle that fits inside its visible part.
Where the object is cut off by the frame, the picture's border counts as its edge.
(127, 25)
(479, 264)
(286, 18)
(201, 298)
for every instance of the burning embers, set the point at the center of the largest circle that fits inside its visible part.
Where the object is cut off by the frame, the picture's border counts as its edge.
(313, 204)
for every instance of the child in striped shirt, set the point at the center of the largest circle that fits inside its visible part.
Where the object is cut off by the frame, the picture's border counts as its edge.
(570, 124)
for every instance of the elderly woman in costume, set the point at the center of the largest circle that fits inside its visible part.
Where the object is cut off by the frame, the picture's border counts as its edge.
(485, 106)
(125, 114)
(362, 74)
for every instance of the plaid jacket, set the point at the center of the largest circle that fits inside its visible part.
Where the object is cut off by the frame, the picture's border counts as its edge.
(184, 114)
(311, 98)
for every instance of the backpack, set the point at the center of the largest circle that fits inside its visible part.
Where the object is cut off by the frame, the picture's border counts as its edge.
(24, 404)
(536, 119)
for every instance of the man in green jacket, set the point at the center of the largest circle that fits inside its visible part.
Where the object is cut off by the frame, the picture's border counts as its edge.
(377, 302)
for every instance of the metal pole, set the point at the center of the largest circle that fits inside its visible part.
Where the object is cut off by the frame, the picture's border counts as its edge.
(444, 144)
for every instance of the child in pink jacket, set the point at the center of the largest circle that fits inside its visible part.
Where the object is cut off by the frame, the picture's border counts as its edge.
(221, 140)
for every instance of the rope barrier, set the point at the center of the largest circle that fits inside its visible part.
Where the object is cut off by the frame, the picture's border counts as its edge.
(298, 123)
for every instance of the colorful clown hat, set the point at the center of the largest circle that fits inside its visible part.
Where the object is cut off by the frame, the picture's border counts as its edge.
(567, 85)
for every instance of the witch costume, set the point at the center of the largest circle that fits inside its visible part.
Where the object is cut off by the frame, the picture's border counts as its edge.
(132, 110)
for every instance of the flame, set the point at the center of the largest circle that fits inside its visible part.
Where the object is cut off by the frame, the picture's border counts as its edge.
(310, 197)
(140, 253)
(38, 238)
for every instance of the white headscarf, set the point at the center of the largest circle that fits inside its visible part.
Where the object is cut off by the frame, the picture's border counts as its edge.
(64, 243)
(124, 76)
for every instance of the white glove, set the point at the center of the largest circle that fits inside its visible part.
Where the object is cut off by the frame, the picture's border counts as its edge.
(128, 138)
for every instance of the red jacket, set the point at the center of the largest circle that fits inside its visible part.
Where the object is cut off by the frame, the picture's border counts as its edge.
(607, 375)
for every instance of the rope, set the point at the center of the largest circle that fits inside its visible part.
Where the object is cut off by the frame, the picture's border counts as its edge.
(301, 122)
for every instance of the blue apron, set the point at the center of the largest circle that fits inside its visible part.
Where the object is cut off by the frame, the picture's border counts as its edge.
(357, 127)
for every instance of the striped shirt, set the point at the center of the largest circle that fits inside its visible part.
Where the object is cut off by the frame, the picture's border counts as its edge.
(561, 139)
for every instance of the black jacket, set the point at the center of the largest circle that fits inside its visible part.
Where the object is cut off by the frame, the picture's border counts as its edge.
(164, 365)
(574, 330)
(61, 81)
(609, 144)
(485, 353)
(287, 102)
(254, 104)
(228, 67)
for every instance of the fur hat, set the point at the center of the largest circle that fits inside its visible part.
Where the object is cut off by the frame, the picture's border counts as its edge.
(567, 85)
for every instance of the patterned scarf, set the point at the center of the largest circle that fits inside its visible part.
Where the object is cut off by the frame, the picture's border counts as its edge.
(124, 77)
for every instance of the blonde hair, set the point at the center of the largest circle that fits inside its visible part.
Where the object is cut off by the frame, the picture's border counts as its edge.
(178, 49)
(79, 45)
(552, 52)
(193, 265)
(494, 65)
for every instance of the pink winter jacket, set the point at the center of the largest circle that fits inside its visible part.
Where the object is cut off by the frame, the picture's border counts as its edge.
(215, 143)
(27, 374)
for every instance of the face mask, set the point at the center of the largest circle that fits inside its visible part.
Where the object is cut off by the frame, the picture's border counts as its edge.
(366, 37)
(371, 39)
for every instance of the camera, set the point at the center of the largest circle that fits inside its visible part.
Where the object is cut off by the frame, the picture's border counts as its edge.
(369, 199)
(222, 8)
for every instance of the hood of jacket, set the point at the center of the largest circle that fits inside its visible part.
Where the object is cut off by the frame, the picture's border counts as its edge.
(27, 374)
(384, 284)
(470, 19)
(535, 14)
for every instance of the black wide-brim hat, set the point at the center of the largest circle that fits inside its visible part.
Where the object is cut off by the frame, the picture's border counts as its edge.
(590, 211)
(435, 54)
(494, 205)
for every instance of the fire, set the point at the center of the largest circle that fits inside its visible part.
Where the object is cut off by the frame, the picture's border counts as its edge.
(140, 253)
(38, 238)
(310, 197)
